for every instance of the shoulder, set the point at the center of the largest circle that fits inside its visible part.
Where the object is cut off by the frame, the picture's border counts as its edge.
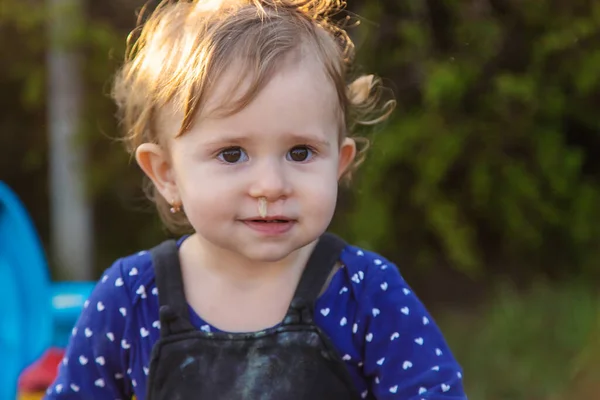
(134, 272)
(379, 288)
(131, 275)
(118, 290)
(369, 272)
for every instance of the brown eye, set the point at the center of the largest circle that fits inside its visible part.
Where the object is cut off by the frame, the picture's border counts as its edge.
(233, 155)
(299, 154)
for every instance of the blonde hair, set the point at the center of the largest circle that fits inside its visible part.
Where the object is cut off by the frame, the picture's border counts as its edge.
(175, 57)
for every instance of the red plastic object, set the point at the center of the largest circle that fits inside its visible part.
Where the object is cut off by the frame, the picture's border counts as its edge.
(40, 375)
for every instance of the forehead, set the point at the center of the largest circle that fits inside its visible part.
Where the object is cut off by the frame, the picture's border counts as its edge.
(297, 97)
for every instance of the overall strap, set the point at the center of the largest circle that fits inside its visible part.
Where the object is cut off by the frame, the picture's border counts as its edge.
(174, 312)
(320, 264)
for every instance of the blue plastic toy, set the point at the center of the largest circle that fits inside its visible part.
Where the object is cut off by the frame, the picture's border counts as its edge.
(35, 313)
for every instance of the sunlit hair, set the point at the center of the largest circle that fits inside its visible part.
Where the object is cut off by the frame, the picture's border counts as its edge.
(177, 54)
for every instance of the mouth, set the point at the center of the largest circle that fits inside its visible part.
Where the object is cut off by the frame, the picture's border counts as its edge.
(270, 220)
(270, 225)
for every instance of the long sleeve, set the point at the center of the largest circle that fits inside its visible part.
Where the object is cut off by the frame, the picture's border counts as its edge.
(95, 362)
(406, 356)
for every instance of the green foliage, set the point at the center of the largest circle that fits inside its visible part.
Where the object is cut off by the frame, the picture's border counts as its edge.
(491, 153)
(527, 346)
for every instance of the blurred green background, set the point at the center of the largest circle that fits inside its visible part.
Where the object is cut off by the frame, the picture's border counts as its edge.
(484, 187)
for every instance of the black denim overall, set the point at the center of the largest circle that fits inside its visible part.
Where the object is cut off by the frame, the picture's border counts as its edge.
(292, 361)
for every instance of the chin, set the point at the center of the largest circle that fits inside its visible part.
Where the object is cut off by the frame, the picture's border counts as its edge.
(272, 251)
(269, 252)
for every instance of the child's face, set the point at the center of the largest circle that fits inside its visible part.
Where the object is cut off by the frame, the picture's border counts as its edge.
(284, 146)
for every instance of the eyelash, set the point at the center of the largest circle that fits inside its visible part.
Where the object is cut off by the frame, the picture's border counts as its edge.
(312, 153)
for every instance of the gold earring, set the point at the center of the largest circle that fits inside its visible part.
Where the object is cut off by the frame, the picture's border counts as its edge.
(175, 208)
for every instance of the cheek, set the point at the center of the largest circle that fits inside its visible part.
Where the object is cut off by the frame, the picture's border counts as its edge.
(320, 189)
(198, 187)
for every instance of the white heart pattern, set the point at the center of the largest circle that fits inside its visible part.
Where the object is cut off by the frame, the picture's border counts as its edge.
(369, 337)
(133, 272)
(110, 336)
(205, 328)
(343, 290)
(74, 387)
(360, 253)
(343, 321)
(325, 312)
(422, 390)
(376, 312)
(377, 261)
(381, 361)
(119, 282)
(123, 311)
(406, 291)
(156, 324)
(438, 352)
(100, 306)
(405, 310)
(141, 291)
(425, 321)
(364, 394)
(355, 278)
(124, 344)
(144, 332)
(419, 341)
(445, 387)
(100, 360)
(83, 360)
(346, 357)
(406, 365)
(354, 328)
(99, 382)
(394, 389)
(394, 336)
(384, 286)
(88, 332)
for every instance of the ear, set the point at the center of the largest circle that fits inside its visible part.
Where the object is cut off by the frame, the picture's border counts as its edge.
(154, 161)
(347, 155)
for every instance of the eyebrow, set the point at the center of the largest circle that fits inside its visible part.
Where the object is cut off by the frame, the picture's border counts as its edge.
(291, 137)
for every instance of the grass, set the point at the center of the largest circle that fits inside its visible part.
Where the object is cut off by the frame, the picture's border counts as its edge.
(539, 345)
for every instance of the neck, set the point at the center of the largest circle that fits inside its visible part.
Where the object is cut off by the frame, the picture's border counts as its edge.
(238, 270)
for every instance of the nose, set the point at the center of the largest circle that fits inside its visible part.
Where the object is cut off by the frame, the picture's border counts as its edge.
(270, 179)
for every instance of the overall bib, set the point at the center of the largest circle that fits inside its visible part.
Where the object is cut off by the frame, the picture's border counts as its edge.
(294, 360)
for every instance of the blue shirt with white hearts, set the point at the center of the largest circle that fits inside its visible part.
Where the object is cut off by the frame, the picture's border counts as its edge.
(390, 343)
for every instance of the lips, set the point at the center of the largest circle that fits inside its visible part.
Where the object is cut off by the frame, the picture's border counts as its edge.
(270, 220)
(275, 225)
